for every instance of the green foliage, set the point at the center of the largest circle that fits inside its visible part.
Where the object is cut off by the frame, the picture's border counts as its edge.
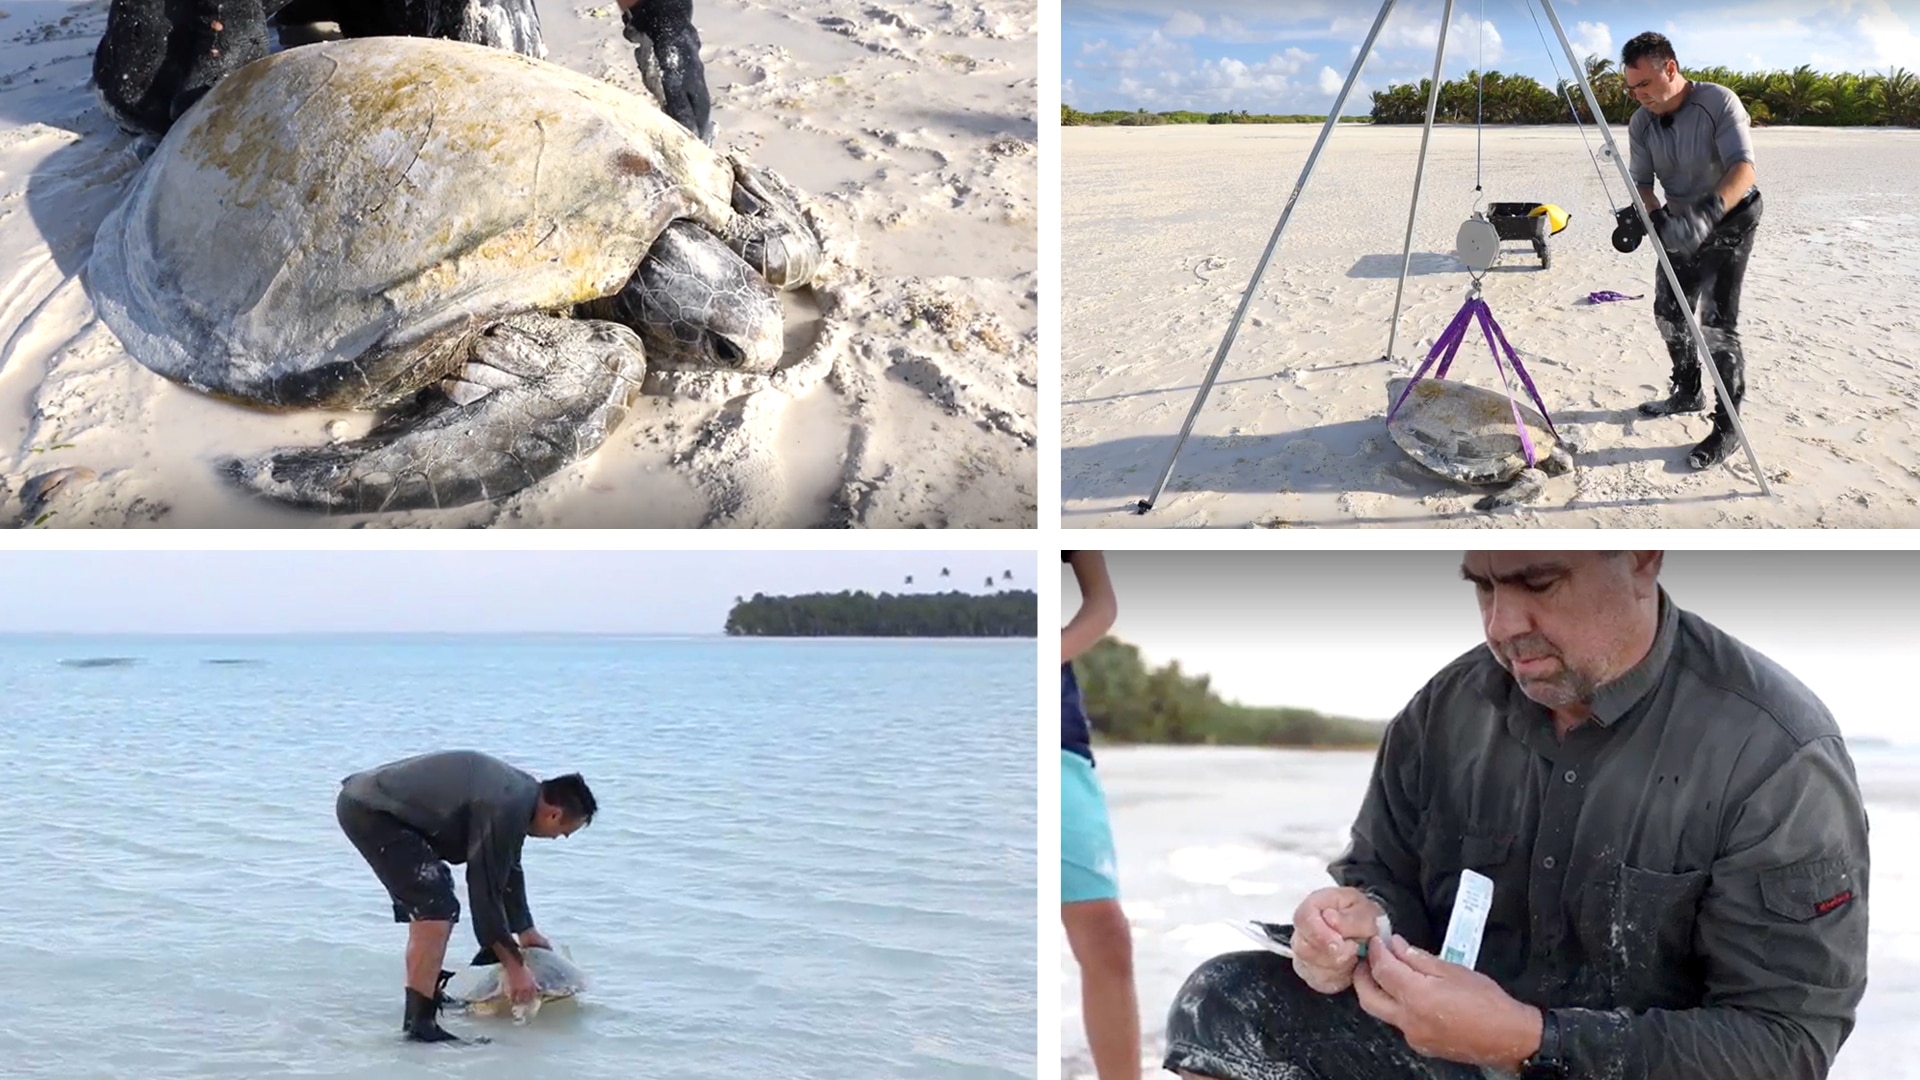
(1072, 117)
(862, 614)
(1129, 703)
(1800, 96)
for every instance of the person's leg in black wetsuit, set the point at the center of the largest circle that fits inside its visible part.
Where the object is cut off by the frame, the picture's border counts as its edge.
(1719, 270)
(159, 56)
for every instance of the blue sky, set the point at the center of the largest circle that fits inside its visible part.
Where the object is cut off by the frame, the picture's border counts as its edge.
(1290, 57)
(447, 591)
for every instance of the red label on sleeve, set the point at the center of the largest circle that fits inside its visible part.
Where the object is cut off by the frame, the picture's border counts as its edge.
(1827, 905)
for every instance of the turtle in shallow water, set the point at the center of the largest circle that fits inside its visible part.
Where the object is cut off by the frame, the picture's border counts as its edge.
(554, 974)
(1467, 434)
(421, 227)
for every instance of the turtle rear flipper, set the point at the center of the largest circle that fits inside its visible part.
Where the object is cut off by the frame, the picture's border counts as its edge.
(538, 393)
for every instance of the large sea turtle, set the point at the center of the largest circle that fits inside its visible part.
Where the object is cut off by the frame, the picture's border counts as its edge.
(423, 226)
(1467, 434)
(554, 975)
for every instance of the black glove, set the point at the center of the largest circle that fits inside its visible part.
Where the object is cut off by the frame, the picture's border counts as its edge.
(1688, 225)
(666, 27)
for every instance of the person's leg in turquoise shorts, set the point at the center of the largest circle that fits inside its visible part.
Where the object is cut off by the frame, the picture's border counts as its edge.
(1097, 929)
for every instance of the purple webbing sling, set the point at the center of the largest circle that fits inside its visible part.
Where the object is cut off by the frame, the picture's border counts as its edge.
(1476, 310)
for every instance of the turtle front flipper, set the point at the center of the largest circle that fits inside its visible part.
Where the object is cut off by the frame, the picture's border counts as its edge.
(538, 393)
(698, 305)
(1527, 486)
(772, 233)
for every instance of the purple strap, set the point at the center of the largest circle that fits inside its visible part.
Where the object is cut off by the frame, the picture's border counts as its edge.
(1453, 348)
(1607, 296)
(1448, 343)
(1519, 423)
(1519, 369)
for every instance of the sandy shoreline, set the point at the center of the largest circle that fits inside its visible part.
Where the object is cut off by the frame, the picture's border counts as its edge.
(911, 125)
(1293, 433)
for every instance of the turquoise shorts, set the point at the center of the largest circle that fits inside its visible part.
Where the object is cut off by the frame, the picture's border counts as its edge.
(1087, 869)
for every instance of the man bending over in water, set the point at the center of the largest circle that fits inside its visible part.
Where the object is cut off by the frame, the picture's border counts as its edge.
(410, 818)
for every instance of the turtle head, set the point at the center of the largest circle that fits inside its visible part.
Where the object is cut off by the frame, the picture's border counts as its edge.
(774, 235)
(696, 305)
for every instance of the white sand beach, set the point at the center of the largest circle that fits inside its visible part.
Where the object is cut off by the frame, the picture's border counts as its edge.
(912, 126)
(1162, 228)
(1206, 835)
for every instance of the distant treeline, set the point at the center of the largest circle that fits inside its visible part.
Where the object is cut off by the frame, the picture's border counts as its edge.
(1129, 703)
(1072, 117)
(862, 614)
(1800, 96)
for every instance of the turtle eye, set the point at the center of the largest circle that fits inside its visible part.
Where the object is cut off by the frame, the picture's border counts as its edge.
(726, 350)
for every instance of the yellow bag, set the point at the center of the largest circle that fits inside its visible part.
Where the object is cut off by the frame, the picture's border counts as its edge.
(1556, 217)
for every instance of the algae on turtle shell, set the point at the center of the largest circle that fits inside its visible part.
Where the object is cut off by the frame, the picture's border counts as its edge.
(1468, 435)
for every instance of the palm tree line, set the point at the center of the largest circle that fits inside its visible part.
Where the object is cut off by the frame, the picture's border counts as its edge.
(851, 613)
(1801, 96)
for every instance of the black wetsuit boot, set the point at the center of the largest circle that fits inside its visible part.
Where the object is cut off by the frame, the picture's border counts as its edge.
(159, 56)
(423, 1021)
(1686, 396)
(1720, 445)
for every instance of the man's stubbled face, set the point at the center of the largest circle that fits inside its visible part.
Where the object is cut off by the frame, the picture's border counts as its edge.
(1562, 622)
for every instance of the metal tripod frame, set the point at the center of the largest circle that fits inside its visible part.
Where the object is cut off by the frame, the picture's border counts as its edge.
(1609, 151)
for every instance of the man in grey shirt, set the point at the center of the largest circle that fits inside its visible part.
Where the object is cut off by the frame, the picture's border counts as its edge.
(410, 818)
(1694, 136)
(1676, 844)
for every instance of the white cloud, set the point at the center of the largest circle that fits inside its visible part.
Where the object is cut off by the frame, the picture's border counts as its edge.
(1890, 37)
(1153, 52)
(1591, 39)
(1849, 35)
(1185, 24)
(1465, 31)
(1464, 40)
(1331, 81)
(1227, 28)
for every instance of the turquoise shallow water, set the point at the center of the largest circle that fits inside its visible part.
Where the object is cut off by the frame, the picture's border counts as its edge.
(813, 858)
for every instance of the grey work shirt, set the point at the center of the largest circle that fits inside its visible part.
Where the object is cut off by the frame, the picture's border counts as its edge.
(1683, 881)
(1709, 135)
(472, 809)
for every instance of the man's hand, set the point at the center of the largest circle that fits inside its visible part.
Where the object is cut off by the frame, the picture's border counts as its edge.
(1445, 1010)
(1328, 927)
(534, 939)
(665, 27)
(520, 985)
(1688, 225)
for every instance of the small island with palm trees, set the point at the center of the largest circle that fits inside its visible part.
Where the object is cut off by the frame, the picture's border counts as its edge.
(995, 609)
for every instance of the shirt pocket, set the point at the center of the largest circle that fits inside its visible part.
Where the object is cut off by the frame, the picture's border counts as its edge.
(1815, 925)
(1637, 929)
(1807, 891)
